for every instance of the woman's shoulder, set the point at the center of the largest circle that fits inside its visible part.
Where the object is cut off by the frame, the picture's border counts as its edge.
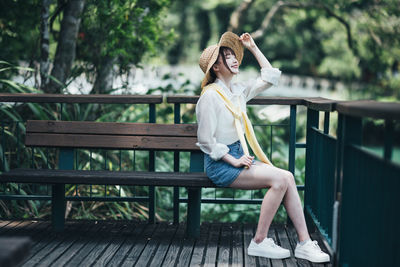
(208, 92)
(209, 98)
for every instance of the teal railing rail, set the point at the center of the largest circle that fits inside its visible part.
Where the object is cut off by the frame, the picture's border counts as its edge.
(34, 192)
(15, 155)
(351, 193)
(367, 188)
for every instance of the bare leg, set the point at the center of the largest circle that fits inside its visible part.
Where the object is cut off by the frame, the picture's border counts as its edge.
(292, 204)
(282, 186)
(261, 176)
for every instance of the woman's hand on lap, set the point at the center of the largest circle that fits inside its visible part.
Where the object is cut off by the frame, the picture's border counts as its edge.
(244, 161)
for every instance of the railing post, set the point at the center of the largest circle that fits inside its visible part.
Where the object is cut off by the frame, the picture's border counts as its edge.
(337, 184)
(292, 146)
(177, 120)
(292, 139)
(3, 148)
(310, 171)
(66, 162)
(388, 149)
(152, 195)
(326, 122)
(194, 197)
(350, 133)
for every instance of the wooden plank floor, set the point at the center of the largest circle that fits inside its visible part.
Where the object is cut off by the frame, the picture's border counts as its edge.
(117, 243)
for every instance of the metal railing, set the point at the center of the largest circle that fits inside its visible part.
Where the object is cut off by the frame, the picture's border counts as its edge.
(350, 193)
(13, 132)
(42, 158)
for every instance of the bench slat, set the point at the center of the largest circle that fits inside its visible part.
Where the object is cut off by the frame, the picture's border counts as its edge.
(192, 179)
(112, 141)
(113, 128)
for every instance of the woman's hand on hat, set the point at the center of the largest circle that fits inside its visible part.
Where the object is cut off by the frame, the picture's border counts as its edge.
(247, 41)
(245, 161)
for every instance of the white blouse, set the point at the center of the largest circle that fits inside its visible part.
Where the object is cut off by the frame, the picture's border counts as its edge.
(216, 126)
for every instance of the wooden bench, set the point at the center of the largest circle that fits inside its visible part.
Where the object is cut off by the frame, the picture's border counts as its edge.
(69, 135)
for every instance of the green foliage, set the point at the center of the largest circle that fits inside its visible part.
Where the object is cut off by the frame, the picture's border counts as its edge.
(19, 30)
(125, 30)
(120, 32)
(309, 38)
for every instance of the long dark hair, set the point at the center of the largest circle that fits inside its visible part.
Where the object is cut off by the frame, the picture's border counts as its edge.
(221, 54)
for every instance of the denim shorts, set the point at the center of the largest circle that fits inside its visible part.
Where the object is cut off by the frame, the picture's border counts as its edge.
(221, 173)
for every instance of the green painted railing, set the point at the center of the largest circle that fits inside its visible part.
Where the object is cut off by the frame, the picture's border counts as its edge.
(40, 192)
(350, 193)
(47, 158)
(368, 228)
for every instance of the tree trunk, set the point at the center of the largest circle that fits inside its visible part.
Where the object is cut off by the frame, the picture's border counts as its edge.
(104, 76)
(65, 54)
(177, 51)
(44, 49)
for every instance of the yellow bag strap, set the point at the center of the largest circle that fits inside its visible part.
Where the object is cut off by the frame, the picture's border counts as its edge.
(238, 114)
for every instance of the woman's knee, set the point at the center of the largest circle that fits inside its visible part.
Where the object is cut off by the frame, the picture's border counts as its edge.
(284, 180)
(280, 184)
(289, 178)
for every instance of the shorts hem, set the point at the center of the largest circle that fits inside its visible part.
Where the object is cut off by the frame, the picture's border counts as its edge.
(234, 178)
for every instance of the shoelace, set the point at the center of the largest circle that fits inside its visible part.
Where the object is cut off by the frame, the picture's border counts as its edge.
(271, 241)
(316, 246)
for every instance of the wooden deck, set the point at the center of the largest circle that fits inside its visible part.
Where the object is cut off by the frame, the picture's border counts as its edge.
(122, 243)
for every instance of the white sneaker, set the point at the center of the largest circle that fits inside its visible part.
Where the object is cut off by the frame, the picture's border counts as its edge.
(311, 251)
(268, 249)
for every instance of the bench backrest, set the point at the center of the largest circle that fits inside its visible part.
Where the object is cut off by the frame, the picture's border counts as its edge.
(111, 135)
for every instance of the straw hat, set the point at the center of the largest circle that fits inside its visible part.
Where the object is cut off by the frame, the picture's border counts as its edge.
(210, 54)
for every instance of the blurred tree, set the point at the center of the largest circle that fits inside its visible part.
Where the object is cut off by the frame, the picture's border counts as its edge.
(66, 43)
(118, 34)
(354, 41)
(18, 35)
(104, 34)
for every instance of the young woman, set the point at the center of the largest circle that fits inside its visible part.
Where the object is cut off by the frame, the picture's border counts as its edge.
(222, 121)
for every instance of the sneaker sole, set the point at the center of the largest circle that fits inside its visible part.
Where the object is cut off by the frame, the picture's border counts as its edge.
(265, 255)
(306, 257)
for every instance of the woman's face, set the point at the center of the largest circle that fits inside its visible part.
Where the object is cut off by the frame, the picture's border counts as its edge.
(231, 61)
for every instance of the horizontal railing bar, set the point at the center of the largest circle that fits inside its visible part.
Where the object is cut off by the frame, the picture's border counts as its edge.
(273, 100)
(79, 98)
(372, 109)
(259, 100)
(121, 199)
(323, 134)
(69, 198)
(373, 155)
(225, 200)
(317, 103)
(320, 104)
(301, 145)
(362, 108)
(25, 197)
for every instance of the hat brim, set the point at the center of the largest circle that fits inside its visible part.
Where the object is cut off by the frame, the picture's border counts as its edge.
(228, 39)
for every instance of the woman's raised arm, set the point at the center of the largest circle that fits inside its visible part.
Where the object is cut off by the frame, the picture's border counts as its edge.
(249, 43)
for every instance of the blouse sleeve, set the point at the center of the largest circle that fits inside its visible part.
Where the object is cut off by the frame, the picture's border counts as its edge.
(269, 77)
(206, 113)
